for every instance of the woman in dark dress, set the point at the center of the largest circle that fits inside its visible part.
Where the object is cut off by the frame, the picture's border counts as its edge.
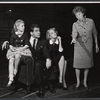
(56, 54)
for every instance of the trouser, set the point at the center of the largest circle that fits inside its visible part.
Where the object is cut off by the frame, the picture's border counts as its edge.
(39, 73)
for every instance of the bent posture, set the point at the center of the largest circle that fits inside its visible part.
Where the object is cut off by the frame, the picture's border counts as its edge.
(82, 32)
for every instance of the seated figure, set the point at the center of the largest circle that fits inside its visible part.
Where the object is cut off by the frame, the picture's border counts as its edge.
(56, 54)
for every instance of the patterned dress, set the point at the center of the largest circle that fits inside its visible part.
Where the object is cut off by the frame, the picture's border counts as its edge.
(83, 48)
(18, 42)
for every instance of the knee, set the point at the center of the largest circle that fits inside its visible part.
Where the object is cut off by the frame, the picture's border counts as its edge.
(11, 60)
(17, 56)
(62, 58)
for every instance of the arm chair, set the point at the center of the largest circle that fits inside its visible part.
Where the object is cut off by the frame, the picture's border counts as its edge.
(25, 71)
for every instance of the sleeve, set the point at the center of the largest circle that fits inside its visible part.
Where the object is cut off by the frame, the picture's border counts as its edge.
(26, 41)
(74, 31)
(12, 39)
(94, 29)
(45, 49)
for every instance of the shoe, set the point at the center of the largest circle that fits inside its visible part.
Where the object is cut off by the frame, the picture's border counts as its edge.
(77, 88)
(41, 93)
(60, 85)
(65, 88)
(27, 89)
(52, 90)
(17, 86)
(9, 83)
(87, 88)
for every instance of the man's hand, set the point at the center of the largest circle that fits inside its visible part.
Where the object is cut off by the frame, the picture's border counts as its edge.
(48, 63)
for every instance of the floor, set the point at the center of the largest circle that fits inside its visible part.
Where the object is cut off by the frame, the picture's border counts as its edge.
(92, 92)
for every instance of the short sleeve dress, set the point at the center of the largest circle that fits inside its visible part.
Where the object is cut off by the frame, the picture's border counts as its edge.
(18, 42)
(83, 48)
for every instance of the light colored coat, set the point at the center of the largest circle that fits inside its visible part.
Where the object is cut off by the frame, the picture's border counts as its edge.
(83, 48)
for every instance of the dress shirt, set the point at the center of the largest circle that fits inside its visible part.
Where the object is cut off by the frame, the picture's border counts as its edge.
(31, 41)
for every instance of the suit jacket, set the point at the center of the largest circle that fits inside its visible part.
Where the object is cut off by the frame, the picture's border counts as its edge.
(41, 52)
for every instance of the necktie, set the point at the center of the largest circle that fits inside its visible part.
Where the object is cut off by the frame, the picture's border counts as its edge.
(34, 41)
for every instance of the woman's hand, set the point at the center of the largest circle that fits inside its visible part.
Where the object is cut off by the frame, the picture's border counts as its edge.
(59, 38)
(12, 48)
(97, 48)
(73, 41)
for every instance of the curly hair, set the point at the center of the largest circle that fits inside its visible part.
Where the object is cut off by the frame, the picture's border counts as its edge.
(79, 9)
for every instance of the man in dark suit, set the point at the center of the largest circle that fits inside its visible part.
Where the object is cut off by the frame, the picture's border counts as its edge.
(41, 57)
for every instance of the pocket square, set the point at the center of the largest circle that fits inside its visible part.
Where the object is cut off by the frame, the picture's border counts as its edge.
(40, 47)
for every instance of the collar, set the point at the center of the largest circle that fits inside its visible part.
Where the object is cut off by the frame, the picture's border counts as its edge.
(32, 38)
(83, 22)
(56, 42)
(18, 34)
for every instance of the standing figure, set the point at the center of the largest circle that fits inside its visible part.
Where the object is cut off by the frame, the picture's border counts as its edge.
(82, 32)
(56, 54)
(18, 46)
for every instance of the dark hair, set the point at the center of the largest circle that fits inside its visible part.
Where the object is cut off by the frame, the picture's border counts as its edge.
(33, 26)
(78, 9)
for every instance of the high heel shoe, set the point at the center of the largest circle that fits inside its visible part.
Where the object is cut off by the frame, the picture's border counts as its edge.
(86, 87)
(65, 88)
(77, 88)
(9, 83)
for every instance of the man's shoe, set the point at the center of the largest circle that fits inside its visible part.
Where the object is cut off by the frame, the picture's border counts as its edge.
(27, 89)
(52, 90)
(16, 88)
(41, 93)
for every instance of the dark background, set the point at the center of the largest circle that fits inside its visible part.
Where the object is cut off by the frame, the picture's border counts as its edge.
(47, 15)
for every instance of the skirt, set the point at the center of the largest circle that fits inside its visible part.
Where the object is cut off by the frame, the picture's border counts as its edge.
(11, 53)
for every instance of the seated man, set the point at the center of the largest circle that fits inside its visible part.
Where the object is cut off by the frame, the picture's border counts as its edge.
(40, 54)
